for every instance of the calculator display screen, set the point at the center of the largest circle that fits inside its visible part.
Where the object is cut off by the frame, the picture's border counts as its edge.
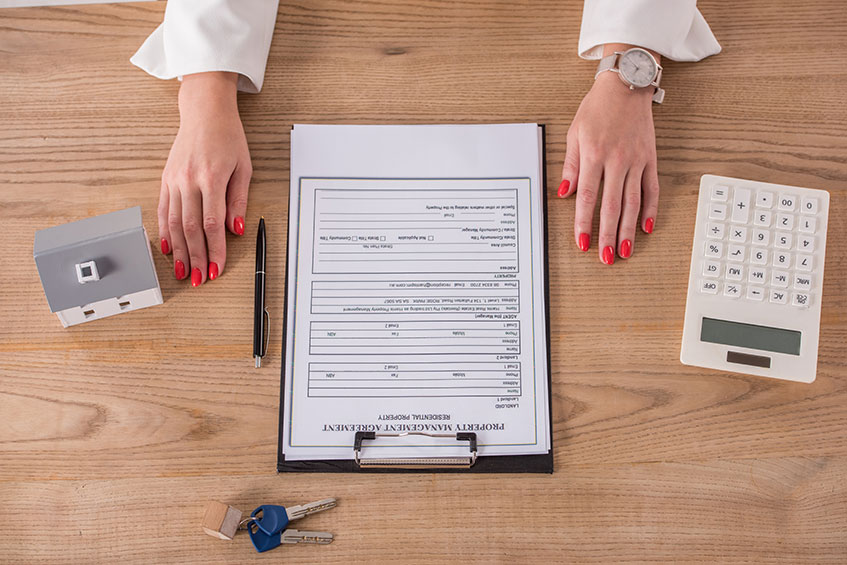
(750, 335)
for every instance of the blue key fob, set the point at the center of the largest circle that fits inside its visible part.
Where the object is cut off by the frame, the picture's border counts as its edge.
(262, 541)
(274, 518)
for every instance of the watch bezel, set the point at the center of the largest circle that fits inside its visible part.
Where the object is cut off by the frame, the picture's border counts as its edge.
(627, 79)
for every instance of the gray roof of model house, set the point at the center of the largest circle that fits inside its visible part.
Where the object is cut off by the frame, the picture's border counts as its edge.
(116, 242)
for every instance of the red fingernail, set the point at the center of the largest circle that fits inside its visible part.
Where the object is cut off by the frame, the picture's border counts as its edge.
(609, 255)
(238, 224)
(213, 271)
(563, 188)
(648, 225)
(584, 241)
(626, 248)
(196, 277)
(179, 269)
(165, 247)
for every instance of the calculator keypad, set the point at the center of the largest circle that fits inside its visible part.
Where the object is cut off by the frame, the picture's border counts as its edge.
(760, 246)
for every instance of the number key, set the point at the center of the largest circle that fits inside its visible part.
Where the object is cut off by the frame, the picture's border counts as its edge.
(761, 237)
(784, 222)
(804, 262)
(783, 241)
(764, 199)
(759, 257)
(787, 202)
(782, 259)
(762, 218)
(806, 243)
(809, 206)
(807, 225)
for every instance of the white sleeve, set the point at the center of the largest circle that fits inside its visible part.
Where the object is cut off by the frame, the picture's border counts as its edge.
(211, 35)
(674, 28)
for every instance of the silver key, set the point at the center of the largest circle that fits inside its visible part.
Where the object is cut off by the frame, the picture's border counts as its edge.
(297, 512)
(302, 536)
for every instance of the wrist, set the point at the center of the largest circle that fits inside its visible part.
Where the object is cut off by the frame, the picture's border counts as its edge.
(208, 92)
(612, 84)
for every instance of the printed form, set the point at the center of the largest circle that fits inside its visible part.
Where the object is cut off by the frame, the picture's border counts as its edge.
(416, 290)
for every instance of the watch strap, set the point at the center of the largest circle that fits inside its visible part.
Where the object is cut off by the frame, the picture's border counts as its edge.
(607, 63)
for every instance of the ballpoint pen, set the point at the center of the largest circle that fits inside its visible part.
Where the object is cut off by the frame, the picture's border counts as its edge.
(260, 344)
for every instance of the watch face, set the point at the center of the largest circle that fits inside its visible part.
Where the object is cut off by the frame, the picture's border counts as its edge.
(638, 67)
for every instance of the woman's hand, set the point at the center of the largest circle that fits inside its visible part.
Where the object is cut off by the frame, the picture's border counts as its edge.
(205, 181)
(612, 139)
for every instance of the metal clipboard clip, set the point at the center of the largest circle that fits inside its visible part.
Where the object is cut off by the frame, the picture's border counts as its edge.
(414, 462)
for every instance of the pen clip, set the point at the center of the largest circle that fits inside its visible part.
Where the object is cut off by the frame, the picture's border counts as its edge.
(267, 332)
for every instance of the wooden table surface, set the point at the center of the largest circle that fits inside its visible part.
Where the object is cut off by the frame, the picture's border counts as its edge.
(114, 434)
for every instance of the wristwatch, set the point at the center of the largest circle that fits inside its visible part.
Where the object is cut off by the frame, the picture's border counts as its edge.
(637, 68)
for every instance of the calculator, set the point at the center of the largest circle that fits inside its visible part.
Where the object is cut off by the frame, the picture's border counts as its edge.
(754, 289)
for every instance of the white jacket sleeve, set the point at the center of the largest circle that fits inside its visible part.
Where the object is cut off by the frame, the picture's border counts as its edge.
(211, 35)
(673, 28)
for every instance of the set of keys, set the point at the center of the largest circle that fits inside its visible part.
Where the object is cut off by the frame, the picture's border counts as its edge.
(267, 525)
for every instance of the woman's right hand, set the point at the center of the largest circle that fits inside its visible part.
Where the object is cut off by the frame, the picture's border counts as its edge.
(206, 178)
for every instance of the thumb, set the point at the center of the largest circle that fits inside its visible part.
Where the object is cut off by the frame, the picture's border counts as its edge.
(236, 197)
(570, 170)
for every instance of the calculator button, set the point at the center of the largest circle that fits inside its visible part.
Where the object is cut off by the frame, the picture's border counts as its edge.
(732, 290)
(761, 237)
(779, 296)
(783, 240)
(714, 249)
(758, 275)
(779, 279)
(720, 193)
(787, 202)
(806, 243)
(784, 222)
(804, 262)
(717, 211)
(715, 230)
(781, 259)
(741, 206)
(809, 206)
(764, 199)
(708, 287)
(738, 234)
(803, 282)
(735, 253)
(800, 299)
(711, 268)
(807, 225)
(755, 293)
(762, 218)
(759, 256)
(734, 272)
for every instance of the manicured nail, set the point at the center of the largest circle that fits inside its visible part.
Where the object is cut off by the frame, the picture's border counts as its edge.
(626, 248)
(196, 277)
(609, 255)
(213, 271)
(179, 269)
(584, 241)
(563, 188)
(238, 224)
(165, 247)
(648, 225)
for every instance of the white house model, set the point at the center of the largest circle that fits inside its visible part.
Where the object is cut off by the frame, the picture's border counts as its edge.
(97, 267)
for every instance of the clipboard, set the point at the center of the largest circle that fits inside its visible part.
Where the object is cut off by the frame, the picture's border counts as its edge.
(538, 463)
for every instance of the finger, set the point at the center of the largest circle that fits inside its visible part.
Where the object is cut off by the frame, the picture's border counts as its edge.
(214, 218)
(162, 212)
(588, 186)
(570, 168)
(236, 197)
(192, 227)
(650, 189)
(180, 249)
(629, 213)
(610, 212)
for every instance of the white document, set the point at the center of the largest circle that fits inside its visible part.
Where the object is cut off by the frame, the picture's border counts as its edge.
(415, 291)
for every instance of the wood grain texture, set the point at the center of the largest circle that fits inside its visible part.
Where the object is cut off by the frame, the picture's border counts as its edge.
(113, 435)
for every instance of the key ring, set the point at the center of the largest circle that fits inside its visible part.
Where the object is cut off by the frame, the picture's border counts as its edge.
(242, 525)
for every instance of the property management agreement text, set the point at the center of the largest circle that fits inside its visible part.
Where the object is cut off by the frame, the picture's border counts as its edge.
(416, 290)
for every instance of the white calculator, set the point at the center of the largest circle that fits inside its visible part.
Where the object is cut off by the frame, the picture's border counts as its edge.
(754, 291)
